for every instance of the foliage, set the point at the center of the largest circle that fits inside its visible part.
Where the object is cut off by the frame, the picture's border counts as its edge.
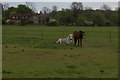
(12, 10)
(114, 18)
(66, 19)
(80, 20)
(27, 22)
(76, 15)
(23, 23)
(11, 22)
(99, 19)
(7, 13)
(52, 23)
(23, 9)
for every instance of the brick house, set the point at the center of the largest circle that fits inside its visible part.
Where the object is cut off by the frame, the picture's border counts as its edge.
(43, 18)
(18, 18)
(33, 18)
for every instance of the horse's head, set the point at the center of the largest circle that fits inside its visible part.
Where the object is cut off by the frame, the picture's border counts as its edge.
(70, 36)
(82, 33)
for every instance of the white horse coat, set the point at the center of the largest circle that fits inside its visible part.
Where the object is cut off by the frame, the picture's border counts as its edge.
(67, 40)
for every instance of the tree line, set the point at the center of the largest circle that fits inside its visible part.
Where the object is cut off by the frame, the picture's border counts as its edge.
(76, 15)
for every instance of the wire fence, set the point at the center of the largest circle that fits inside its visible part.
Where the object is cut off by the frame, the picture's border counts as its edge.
(54, 35)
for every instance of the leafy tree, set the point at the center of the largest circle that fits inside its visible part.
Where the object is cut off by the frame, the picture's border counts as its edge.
(12, 10)
(80, 20)
(6, 13)
(24, 9)
(54, 12)
(66, 19)
(99, 19)
(114, 18)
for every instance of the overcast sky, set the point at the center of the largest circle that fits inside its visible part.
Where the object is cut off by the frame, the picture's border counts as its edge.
(60, 0)
(93, 5)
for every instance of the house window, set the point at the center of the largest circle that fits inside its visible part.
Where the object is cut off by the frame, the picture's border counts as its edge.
(16, 17)
(35, 22)
(18, 21)
(13, 17)
(26, 17)
(22, 17)
(35, 17)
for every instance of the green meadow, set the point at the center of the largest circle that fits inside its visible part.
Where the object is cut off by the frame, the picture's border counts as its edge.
(32, 52)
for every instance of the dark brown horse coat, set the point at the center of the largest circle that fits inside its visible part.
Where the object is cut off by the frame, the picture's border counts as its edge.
(78, 35)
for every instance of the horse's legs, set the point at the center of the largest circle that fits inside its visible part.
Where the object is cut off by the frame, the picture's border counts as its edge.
(81, 42)
(75, 40)
(78, 42)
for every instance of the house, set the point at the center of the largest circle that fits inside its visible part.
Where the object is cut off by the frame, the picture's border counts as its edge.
(43, 18)
(18, 18)
(33, 18)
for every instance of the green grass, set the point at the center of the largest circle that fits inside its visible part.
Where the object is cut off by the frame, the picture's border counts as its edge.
(26, 55)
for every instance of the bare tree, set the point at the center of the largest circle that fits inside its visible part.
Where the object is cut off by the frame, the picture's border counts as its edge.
(76, 6)
(5, 6)
(46, 10)
(31, 5)
(54, 8)
(105, 7)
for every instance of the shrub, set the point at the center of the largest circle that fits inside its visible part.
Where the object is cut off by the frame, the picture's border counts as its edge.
(52, 23)
(80, 20)
(99, 19)
(23, 23)
(29, 22)
(11, 22)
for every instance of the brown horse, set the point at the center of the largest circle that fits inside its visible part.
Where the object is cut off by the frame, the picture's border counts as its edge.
(78, 35)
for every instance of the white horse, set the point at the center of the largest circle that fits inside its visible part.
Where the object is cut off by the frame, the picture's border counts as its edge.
(67, 40)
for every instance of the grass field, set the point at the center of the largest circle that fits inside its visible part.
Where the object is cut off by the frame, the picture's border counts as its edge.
(26, 55)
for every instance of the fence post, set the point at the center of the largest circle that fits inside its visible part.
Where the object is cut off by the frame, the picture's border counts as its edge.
(4, 35)
(63, 34)
(42, 34)
(110, 36)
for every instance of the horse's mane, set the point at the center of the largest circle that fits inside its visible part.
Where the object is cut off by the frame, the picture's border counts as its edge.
(80, 31)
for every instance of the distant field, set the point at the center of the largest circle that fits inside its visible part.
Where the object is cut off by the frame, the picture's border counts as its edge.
(32, 52)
